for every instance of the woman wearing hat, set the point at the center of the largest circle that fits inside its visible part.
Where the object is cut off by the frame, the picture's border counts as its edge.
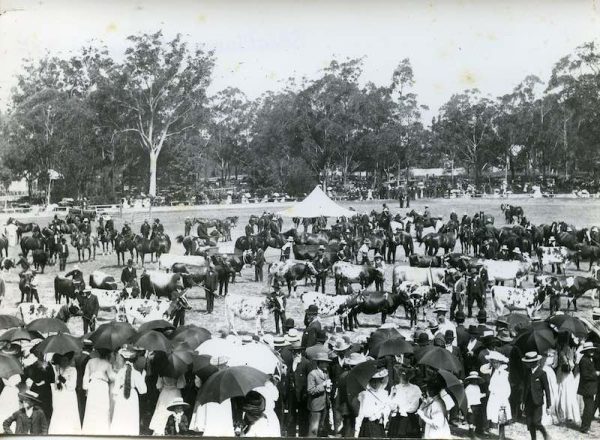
(29, 419)
(177, 422)
(129, 384)
(474, 395)
(548, 363)
(405, 399)
(65, 415)
(434, 414)
(9, 397)
(567, 402)
(97, 378)
(375, 407)
(256, 424)
(170, 389)
(499, 387)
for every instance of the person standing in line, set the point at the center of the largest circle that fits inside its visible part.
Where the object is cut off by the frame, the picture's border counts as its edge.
(536, 387)
(97, 378)
(588, 384)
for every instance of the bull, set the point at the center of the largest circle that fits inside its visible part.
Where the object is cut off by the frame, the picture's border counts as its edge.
(249, 308)
(102, 280)
(365, 275)
(530, 299)
(159, 283)
(69, 288)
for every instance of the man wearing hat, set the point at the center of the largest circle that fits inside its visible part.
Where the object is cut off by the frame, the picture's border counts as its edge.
(313, 326)
(339, 348)
(459, 293)
(426, 212)
(318, 388)
(297, 414)
(286, 249)
(344, 253)
(145, 229)
(177, 423)
(503, 253)
(516, 254)
(89, 310)
(63, 254)
(342, 406)
(445, 325)
(476, 290)
(126, 229)
(536, 387)
(588, 384)
(482, 321)
(471, 350)
(259, 263)
(380, 266)
(322, 264)
(462, 334)
(128, 274)
(157, 228)
(30, 419)
(363, 252)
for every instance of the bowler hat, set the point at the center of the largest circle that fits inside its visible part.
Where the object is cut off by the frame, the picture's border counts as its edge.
(289, 324)
(474, 375)
(449, 335)
(312, 309)
(474, 330)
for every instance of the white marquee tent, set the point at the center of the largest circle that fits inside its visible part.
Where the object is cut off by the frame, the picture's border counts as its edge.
(316, 204)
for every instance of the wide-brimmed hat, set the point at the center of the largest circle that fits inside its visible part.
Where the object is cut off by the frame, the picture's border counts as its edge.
(177, 402)
(504, 335)
(312, 310)
(293, 334)
(354, 359)
(531, 356)
(280, 341)
(381, 373)
(496, 356)
(504, 248)
(516, 250)
(378, 256)
(341, 345)
(290, 239)
(321, 356)
(441, 308)
(552, 239)
(474, 375)
(321, 247)
(588, 346)
(129, 351)
(30, 396)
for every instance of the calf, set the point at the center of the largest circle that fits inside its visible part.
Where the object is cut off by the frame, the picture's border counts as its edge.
(530, 299)
(364, 274)
(159, 283)
(249, 308)
(138, 311)
(102, 280)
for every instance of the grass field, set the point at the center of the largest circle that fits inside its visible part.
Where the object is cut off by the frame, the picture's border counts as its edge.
(575, 211)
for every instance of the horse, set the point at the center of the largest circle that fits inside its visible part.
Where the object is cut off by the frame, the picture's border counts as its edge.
(82, 242)
(22, 228)
(122, 245)
(144, 246)
(106, 237)
(162, 243)
(261, 240)
(192, 245)
(3, 246)
(436, 240)
(31, 243)
(399, 238)
(465, 236)
(512, 211)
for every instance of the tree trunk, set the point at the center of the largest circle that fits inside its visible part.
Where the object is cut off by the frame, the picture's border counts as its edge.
(153, 160)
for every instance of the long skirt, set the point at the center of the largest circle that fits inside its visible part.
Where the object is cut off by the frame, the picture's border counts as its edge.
(97, 410)
(370, 429)
(126, 415)
(568, 404)
(65, 415)
(161, 413)
(407, 427)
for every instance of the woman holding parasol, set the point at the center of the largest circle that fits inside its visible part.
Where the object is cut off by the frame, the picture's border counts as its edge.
(374, 407)
(434, 413)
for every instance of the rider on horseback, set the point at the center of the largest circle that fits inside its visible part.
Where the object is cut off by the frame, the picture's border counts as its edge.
(126, 231)
(145, 229)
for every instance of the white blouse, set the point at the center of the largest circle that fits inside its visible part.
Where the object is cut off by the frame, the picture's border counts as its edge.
(405, 398)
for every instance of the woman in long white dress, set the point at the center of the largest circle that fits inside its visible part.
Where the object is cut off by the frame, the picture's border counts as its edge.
(551, 417)
(434, 414)
(567, 402)
(96, 381)
(271, 395)
(170, 389)
(9, 398)
(499, 387)
(128, 386)
(65, 411)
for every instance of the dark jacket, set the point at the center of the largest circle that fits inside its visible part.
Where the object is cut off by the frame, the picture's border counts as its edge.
(211, 281)
(536, 384)
(309, 337)
(259, 259)
(63, 250)
(90, 306)
(321, 263)
(249, 230)
(183, 425)
(300, 376)
(128, 275)
(588, 379)
(37, 424)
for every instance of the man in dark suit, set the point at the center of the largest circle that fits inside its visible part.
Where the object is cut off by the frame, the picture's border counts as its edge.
(588, 385)
(29, 419)
(80, 360)
(129, 273)
(475, 292)
(63, 254)
(89, 310)
(536, 386)
(321, 263)
(462, 335)
(313, 326)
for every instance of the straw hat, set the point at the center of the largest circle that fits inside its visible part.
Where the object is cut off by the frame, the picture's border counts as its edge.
(495, 356)
(31, 396)
(354, 359)
(588, 346)
(441, 308)
(381, 373)
(516, 250)
(504, 335)
(128, 351)
(378, 256)
(531, 356)
(321, 357)
(321, 247)
(280, 341)
(177, 402)
(341, 345)
(474, 375)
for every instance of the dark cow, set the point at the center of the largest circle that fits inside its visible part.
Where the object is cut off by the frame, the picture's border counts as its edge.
(459, 261)
(424, 261)
(27, 287)
(6, 263)
(576, 286)
(354, 273)
(68, 288)
(40, 259)
(372, 303)
(159, 283)
(290, 272)
(102, 280)
(587, 252)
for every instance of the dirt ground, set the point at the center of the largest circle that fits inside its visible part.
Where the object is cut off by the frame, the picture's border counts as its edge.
(576, 211)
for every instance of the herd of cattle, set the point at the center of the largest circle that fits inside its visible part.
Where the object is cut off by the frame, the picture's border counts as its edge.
(512, 253)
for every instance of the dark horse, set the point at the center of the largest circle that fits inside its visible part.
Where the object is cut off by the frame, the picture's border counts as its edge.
(372, 303)
(31, 243)
(262, 241)
(394, 240)
(122, 245)
(82, 242)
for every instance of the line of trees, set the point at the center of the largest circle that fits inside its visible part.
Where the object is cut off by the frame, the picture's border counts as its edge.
(105, 125)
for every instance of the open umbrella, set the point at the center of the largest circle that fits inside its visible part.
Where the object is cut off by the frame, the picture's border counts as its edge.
(157, 324)
(62, 343)
(258, 356)
(358, 378)
(392, 347)
(455, 388)
(538, 338)
(218, 347)
(9, 321)
(569, 323)
(231, 382)
(9, 366)
(48, 325)
(176, 363)
(19, 334)
(112, 335)
(439, 358)
(515, 321)
(381, 335)
(193, 336)
(153, 340)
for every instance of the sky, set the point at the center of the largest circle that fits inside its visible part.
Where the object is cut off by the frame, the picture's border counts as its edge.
(452, 45)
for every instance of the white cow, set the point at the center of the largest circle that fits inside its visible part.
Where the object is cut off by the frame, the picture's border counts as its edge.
(516, 298)
(248, 308)
(422, 275)
(498, 270)
(328, 305)
(32, 311)
(107, 299)
(138, 311)
(166, 261)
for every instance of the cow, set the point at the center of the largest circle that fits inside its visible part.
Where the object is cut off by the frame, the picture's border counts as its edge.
(107, 299)
(68, 288)
(40, 259)
(328, 305)
(162, 284)
(530, 299)
(30, 311)
(6, 264)
(501, 271)
(555, 256)
(424, 261)
(371, 303)
(364, 274)
(102, 280)
(248, 308)
(576, 286)
(238, 262)
(587, 252)
(413, 296)
(168, 260)
(459, 261)
(440, 277)
(139, 310)
(291, 271)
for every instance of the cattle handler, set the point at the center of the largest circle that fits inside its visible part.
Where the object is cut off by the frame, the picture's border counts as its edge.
(286, 250)
(89, 310)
